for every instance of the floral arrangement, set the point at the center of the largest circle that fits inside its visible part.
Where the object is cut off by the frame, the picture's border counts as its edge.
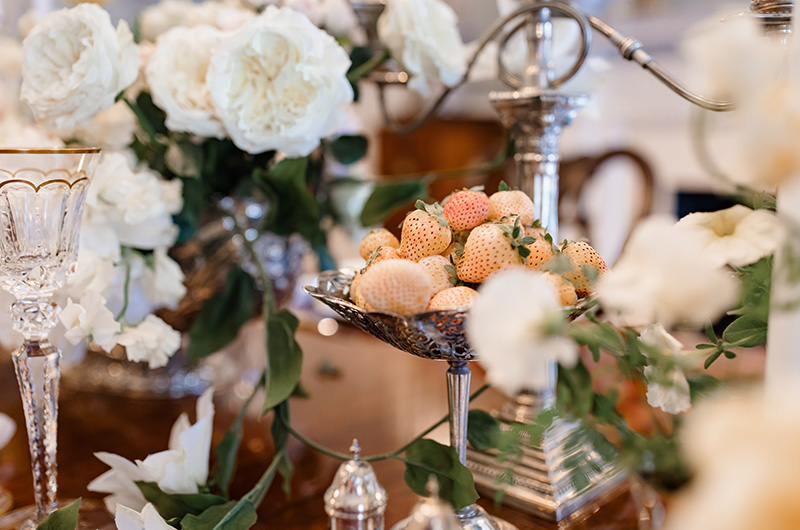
(246, 102)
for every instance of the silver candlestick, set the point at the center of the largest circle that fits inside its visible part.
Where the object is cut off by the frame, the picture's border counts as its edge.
(535, 111)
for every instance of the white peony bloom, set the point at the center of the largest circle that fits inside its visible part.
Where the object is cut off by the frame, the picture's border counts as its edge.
(736, 236)
(152, 341)
(90, 319)
(128, 207)
(278, 83)
(422, 35)
(163, 282)
(149, 519)
(112, 128)
(509, 330)
(76, 64)
(668, 392)
(663, 276)
(176, 74)
(742, 447)
(182, 468)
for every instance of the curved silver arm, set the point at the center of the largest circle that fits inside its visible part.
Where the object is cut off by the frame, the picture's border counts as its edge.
(632, 50)
(488, 36)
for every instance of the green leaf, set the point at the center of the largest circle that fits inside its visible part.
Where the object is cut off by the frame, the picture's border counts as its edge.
(228, 448)
(389, 196)
(348, 149)
(171, 505)
(295, 208)
(285, 358)
(579, 382)
(211, 517)
(184, 158)
(223, 315)
(483, 430)
(65, 518)
(425, 457)
(280, 435)
(243, 515)
(503, 186)
(746, 331)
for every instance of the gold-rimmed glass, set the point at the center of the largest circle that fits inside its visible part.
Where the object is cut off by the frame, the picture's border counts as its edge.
(42, 192)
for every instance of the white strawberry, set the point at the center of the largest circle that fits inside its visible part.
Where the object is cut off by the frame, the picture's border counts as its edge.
(425, 232)
(397, 286)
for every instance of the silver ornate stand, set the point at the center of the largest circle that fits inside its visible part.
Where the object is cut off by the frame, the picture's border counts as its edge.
(535, 111)
(436, 335)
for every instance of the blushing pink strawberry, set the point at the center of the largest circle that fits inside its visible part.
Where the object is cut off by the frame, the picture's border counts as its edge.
(453, 298)
(487, 250)
(466, 209)
(584, 260)
(441, 272)
(425, 232)
(511, 203)
(379, 237)
(541, 253)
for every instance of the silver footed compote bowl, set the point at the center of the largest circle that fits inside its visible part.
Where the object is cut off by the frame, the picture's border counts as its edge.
(435, 335)
(42, 192)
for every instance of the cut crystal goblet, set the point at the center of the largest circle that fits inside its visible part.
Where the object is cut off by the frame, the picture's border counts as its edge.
(42, 192)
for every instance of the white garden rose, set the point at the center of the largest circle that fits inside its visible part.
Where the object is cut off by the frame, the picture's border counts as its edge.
(75, 64)
(176, 74)
(278, 83)
(129, 207)
(423, 36)
(113, 128)
(159, 18)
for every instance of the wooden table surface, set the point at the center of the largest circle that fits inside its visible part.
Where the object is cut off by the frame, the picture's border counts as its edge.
(380, 395)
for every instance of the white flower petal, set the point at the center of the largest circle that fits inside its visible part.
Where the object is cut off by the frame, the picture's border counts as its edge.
(506, 329)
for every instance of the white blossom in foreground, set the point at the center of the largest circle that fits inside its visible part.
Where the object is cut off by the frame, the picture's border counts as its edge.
(278, 83)
(182, 468)
(152, 341)
(667, 391)
(90, 319)
(423, 36)
(511, 329)
(149, 519)
(176, 74)
(730, 60)
(736, 236)
(75, 64)
(743, 451)
(663, 276)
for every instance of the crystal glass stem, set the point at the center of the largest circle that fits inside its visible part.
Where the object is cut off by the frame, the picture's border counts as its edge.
(37, 365)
